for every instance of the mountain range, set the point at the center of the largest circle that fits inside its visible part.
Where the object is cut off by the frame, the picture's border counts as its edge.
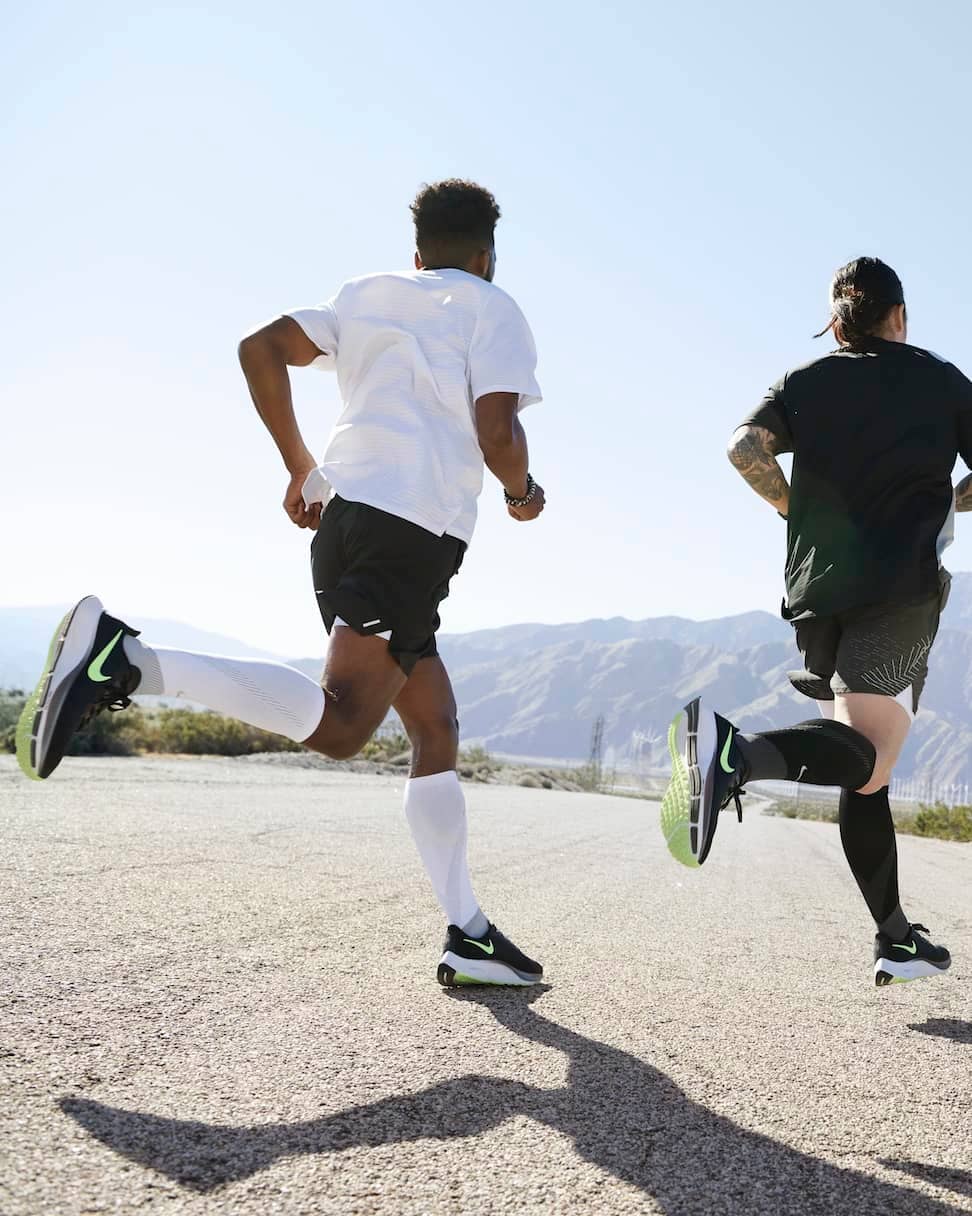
(536, 690)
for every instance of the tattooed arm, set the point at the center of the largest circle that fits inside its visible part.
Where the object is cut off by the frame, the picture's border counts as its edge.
(963, 494)
(753, 451)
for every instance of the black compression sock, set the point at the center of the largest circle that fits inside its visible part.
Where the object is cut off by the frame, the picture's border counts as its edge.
(818, 752)
(867, 834)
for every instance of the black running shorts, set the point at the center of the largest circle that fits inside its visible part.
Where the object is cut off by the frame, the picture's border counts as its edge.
(380, 573)
(880, 649)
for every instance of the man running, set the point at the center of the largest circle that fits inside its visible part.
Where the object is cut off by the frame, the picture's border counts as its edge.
(433, 366)
(875, 428)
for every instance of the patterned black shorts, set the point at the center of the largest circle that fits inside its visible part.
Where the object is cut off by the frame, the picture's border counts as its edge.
(879, 649)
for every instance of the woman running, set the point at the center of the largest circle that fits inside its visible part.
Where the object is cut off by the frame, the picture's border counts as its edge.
(875, 427)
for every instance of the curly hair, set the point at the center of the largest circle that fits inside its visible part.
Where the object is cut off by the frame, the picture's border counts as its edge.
(862, 293)
(454, 220)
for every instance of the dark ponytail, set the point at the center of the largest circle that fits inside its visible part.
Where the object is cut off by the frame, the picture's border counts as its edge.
(862, 294)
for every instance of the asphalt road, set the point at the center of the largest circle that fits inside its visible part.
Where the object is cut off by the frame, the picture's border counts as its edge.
(217, 994)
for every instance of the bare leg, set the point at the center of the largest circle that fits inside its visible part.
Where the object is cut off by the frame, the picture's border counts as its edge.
(427, 708)
(882, 720)
(361, 681)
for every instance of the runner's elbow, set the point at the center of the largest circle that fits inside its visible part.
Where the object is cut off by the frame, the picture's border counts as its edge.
(261, 344)
(251, 347)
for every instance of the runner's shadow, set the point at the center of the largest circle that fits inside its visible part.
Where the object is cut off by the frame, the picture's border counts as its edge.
(620, 1113)
(945, 1028)
(959, 1181)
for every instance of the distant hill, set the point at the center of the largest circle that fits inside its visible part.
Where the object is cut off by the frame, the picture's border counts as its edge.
(516, 641)
(535, 690)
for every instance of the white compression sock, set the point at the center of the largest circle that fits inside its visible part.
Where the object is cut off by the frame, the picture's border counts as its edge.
(268, 695)
(436, 813)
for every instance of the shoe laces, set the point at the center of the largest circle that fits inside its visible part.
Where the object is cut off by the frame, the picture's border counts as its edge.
(114, 698)
(735, 795)
(737, 791)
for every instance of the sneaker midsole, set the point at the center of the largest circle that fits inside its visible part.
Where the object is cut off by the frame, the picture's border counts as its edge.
(705, 754)
(913, 969)
(490, 971)
(78, 640)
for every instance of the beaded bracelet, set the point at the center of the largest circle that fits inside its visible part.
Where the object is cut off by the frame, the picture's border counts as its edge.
(526, 499)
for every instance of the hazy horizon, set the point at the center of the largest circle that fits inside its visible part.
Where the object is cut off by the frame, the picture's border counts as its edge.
(145, 620)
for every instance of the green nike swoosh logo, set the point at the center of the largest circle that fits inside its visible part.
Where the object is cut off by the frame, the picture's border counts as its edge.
(912, 949)
(724, 758)
(487, 949)
(94, 667)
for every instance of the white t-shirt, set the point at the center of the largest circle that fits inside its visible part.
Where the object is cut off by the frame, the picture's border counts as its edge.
(413, 352)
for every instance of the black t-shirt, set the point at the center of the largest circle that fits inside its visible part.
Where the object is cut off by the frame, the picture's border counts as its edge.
(874, 435)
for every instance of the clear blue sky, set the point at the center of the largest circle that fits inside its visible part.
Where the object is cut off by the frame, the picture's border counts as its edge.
(678, 182)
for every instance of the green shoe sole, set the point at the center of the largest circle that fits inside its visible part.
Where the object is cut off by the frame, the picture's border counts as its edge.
(676, 804)
(26, 724)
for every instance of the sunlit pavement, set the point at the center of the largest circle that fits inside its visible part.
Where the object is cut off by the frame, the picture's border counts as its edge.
(218, 995)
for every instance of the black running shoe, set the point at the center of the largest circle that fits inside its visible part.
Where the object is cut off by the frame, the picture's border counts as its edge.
(86, 671)
(913, 959)
(708, 772)
(490, 959)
